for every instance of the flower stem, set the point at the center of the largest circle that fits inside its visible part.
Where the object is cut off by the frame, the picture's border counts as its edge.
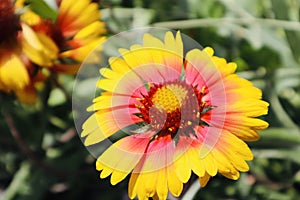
(28, 152)
(208, 22)
(192, 191)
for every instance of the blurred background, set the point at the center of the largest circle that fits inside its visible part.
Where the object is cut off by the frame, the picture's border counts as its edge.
(42, 157)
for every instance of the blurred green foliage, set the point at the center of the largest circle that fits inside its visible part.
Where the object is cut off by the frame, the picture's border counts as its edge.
(48, 161)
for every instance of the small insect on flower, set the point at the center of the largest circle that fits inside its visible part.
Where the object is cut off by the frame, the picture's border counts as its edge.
(184, 113)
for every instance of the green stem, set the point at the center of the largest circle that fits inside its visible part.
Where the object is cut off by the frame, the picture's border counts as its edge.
(28, 152)
(209, 22)
(282, 116)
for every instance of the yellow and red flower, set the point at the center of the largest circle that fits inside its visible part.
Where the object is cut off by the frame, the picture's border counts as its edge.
(31, 45)
(20, 50)
(76, 31)
(79, 24)
(183, 114)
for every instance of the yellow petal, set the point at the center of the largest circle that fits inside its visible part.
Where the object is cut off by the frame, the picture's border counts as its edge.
(257, 124)
(195, 162)
(242, 93)
(210, 164)
(140, 187)
(110, 74)
(174, 184)
(150, 182)
(38, 47)
(118, 65)
(209, 51)
(90, 125)
(49, 47)
(162, 184)
(150, 41)
(204, 180)
(68, 11)
(13, 73)
(182, 167)
(31, 18)
(174, 44)
(126, 85)
(224, 165)
(122, 157)
(78, 16)
(130, 57)
(230, 175)
(254, 107)
(91, 13)
(133, 184)
(117, 176)
(106, 171)
(30, 36)
(92, 30)
(98, 127)
(110, 101)
(236, 144)
(199, 62)
(34, 55)
(65, 5)
(79, 54)
(175, 47)
(103, 102)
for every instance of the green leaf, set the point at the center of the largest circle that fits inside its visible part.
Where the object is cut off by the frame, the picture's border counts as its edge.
(57, 97)
(42, 8)
(18, 181)
(288, 10)
(28, 183)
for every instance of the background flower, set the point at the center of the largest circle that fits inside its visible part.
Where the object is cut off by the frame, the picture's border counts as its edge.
(20, 48)
(36, 46)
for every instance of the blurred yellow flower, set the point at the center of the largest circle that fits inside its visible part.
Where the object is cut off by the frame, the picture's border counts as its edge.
(79, 22)
(76, 31)
(30, 43)
(21, 50)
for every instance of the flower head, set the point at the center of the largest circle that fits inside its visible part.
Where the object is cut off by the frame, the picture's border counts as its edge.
(76, 31)
(80, 25)
(183, 114)
(20, 49)
(32, 47)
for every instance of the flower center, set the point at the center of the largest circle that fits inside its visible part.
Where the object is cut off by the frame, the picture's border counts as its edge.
(169, 97)
(9, 22)
(173, 108)
(49, 29)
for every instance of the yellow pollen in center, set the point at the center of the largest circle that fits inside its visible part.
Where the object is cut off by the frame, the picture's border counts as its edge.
(169, 97)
